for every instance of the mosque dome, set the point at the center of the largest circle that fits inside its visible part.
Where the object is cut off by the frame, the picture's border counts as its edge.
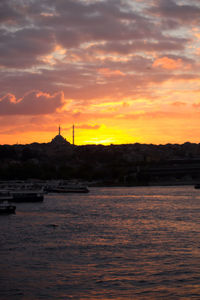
(59, 139)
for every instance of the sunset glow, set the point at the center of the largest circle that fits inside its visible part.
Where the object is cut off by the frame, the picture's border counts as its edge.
(121, 71)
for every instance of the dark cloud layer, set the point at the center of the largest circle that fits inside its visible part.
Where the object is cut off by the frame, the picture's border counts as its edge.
(181, 12)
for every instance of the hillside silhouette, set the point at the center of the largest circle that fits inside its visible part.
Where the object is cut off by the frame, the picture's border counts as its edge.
(128, 164)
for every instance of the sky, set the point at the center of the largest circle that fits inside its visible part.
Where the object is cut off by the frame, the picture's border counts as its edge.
(121, 71)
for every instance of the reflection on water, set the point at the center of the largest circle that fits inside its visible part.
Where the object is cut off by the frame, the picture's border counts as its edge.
(114, 243)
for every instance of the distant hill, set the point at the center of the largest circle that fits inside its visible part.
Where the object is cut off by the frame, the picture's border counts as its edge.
(128, 164)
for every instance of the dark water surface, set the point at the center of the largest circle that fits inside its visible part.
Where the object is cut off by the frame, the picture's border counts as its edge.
(113, 243)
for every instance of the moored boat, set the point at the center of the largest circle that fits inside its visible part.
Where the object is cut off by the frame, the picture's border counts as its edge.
(62, 186)
(5, 196)
(27, 196)
(67, 189)
(7, 209)
(197, 186)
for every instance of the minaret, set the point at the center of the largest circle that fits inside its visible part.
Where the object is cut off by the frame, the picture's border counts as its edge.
(59, 139)
(73, 134)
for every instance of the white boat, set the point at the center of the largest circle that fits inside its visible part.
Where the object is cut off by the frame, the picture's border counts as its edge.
(21, 195)
(7, 209)
(67, 189)
(27, 196)
(5, 196)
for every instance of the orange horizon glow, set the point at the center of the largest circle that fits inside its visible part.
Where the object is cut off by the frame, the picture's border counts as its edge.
(106, 136)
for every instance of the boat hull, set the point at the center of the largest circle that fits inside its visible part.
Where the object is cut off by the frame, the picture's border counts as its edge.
(197, 186)
(27, 198)
(7, 209)
(68, 190)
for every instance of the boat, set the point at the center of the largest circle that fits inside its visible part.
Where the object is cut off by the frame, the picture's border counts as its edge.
(26, 196)
(67, 189)
(21, 195)
(5, 196)
(7, 209)
(197, 186)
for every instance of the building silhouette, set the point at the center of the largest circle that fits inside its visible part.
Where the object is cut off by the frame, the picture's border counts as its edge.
(59, 139)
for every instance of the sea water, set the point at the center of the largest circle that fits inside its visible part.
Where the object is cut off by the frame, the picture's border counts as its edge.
(113, 243)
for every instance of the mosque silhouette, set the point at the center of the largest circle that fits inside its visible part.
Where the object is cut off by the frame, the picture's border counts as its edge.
(60, 140)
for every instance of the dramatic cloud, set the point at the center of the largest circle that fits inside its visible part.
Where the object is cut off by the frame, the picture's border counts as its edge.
(178, 10)
(34, 103)
(95, 56)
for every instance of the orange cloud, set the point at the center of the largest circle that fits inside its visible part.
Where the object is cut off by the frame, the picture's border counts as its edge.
(168, 63)
(196, 105)
(178, 103)
(88, 126)
(108, 73)
(32, 103)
